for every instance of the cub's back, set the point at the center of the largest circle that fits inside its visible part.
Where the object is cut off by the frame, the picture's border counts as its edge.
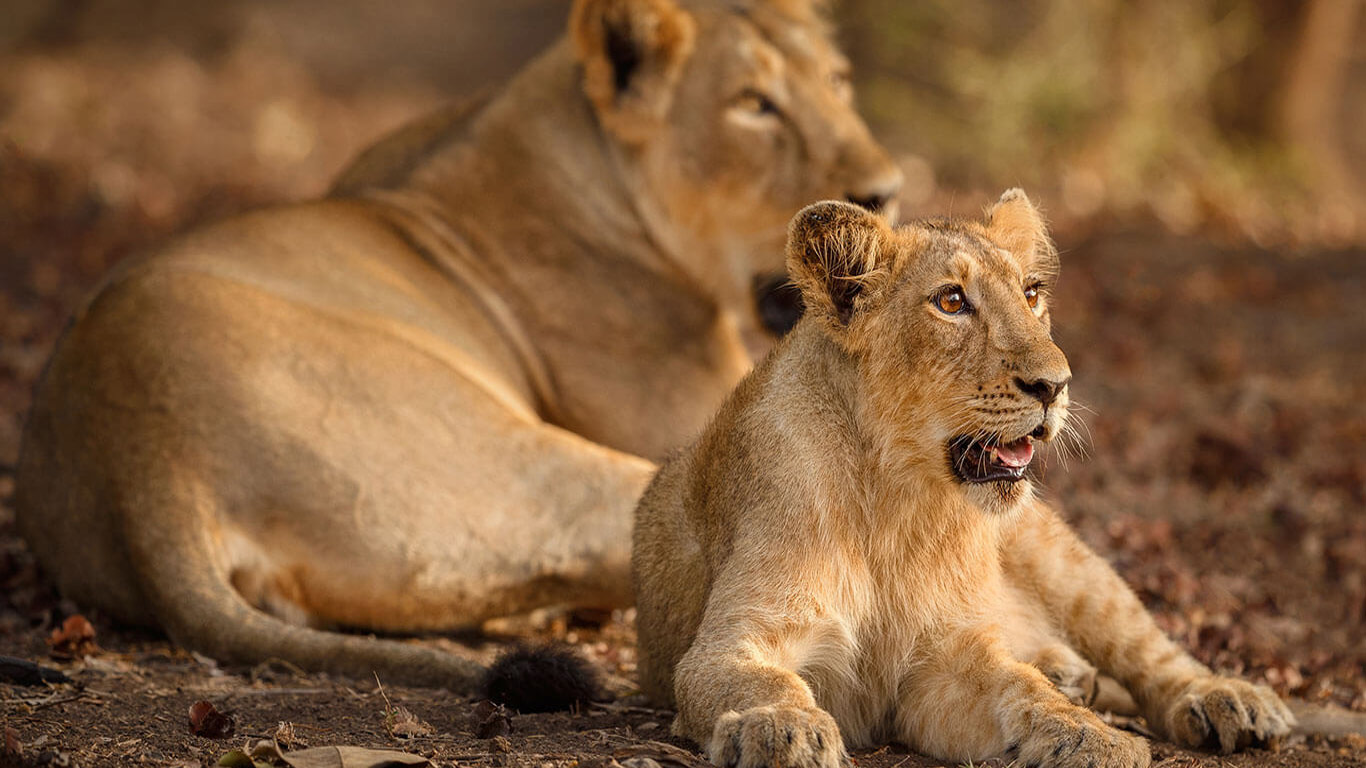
(670, 574)
(687, 521)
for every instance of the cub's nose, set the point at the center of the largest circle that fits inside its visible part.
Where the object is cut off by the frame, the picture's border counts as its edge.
(875, 195)
(1045, 390)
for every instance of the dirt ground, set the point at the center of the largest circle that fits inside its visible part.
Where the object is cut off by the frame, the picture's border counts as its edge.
(1225, 474)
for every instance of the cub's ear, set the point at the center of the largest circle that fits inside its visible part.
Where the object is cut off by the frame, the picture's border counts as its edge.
(632, 52)
(839, 255)
(1017, 226)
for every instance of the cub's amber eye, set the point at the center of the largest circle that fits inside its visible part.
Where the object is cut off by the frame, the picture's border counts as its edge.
(951, 301)
(1032, 296)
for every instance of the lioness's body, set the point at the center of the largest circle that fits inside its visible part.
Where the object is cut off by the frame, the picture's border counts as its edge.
(836, 557)
(433, 398)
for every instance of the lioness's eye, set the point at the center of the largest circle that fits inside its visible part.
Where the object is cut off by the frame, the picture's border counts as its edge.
(951, 300)
(842, 82)
(1032, 295)
(758, 103)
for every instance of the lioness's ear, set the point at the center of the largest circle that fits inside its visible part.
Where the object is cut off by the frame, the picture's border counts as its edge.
(1017, 226)
(837, 254)
(632, 52)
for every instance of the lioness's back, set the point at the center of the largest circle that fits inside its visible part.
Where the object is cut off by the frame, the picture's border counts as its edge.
(178, 354)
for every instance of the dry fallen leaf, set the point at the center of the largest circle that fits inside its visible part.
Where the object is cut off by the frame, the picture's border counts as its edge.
(267, 753)
(73, 640)
(352, 757)
(207, 721)
(659, 753)
(239, 759)
(12, 745)
(403, 724)
(287, 738)
(491, 720)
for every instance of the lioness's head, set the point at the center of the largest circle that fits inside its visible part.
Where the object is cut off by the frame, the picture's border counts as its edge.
(947, 323)
(732, 115)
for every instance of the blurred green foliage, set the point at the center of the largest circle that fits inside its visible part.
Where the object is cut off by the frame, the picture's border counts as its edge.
(1234, 116)
(1174, 108)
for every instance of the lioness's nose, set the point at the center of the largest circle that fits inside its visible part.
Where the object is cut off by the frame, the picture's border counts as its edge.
(875, 195)
(1046, 390)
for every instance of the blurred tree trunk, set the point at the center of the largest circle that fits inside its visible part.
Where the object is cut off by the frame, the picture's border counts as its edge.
(1310, 113)
(854, 17)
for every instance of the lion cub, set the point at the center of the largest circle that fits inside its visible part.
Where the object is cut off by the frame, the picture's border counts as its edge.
(852, 552)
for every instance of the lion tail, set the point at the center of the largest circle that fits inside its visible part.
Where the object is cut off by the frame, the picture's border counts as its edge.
(193, 599)
(544, 677)
(196, 603)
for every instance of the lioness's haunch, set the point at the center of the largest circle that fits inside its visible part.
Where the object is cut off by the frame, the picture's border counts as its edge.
(852, 551)
(434, 397)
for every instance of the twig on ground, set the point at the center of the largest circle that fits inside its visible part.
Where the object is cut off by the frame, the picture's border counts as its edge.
(280, 692)
(53, 700)
(628, 709)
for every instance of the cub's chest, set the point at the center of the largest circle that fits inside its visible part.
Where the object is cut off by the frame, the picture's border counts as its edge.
(855, 674)
(883, 616)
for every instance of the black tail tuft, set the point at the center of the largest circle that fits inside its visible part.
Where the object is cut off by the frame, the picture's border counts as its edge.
(543, 677)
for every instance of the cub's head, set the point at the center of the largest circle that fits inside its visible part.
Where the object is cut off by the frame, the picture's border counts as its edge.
(732, 114)
(947, 324)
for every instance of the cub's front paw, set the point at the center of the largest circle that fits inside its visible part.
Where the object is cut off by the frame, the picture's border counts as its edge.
(776, 737)
(1075, 738)
(1224, 712)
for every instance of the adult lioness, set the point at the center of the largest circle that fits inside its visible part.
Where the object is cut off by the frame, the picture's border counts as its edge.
(852, 551)
(424, 401)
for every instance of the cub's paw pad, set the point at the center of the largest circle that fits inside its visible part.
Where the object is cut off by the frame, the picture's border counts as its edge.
(1076, 738)
(1070, 674)
(1225, 713)
(776, 737)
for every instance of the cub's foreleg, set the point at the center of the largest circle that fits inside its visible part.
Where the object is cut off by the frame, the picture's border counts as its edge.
(968, 698)
(1180, 697)
(738, 693)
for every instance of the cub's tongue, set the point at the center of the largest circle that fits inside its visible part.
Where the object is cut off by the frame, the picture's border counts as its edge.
(1016, 454)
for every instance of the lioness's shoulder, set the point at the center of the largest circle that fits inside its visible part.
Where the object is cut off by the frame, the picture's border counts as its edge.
(389, 161)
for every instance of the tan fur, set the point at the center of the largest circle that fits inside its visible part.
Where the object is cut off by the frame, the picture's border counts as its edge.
(434, 397)
(812, 572)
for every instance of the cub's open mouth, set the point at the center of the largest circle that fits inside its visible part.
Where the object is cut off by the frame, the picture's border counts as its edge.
(987, 460)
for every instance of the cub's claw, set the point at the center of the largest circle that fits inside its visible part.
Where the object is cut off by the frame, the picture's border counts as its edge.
(1226, 712)
(776, 737)
(1076, 738)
